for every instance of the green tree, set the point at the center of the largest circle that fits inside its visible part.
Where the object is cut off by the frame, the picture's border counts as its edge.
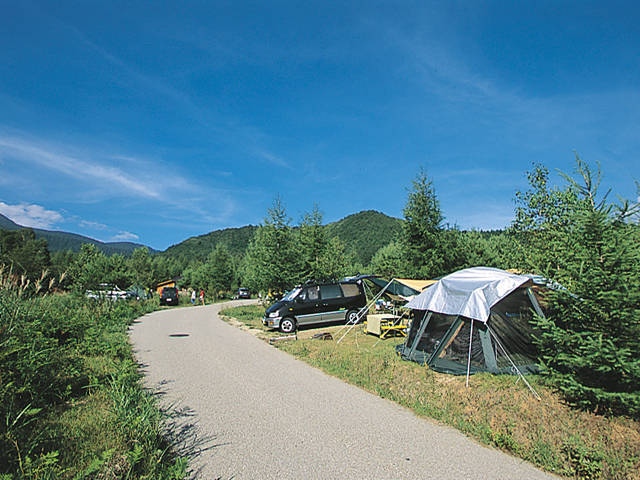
(88, 270)
(421, 228)
(272, 260)
(590, 340)
(390, 261)
(219, 272)
(140, 267)
(544, 216)
(322, 258)
(23, 254)
(431, 250)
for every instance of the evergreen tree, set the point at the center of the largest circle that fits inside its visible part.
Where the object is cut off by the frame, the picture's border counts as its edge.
(313, 244)
(431, 250)
(421, 228)
(322, 258)
(590, 340)
(272, 262)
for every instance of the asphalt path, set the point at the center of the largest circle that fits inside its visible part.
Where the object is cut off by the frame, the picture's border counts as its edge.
(259, 413)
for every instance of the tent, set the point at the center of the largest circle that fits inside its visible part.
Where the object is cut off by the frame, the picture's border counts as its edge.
(474, 320)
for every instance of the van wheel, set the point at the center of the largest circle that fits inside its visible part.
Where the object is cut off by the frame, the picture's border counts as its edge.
(287, 325)
(352, 317)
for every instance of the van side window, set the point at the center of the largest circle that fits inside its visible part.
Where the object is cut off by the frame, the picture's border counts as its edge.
(330, 291)
(350, 289)
(311, 293)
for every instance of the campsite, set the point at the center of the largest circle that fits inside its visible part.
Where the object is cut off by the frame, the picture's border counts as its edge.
(517, 413)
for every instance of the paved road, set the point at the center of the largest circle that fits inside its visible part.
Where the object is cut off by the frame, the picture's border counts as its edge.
(270, 416)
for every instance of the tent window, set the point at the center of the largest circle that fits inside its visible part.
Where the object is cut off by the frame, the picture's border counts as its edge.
(457, 349)
(433, 335)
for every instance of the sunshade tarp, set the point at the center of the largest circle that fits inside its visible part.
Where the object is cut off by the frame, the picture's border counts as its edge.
(417, 285)
(401, 287)
(469, 293)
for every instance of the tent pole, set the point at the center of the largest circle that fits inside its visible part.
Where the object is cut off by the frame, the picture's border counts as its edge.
(534, 302)
(469, 355)
(361, 311)
(520, 375)
(416, 339)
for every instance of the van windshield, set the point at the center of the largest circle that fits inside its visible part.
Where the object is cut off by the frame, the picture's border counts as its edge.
(292, 294)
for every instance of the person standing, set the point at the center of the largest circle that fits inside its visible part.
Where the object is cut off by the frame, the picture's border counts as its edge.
(202, 296)
(193, 296)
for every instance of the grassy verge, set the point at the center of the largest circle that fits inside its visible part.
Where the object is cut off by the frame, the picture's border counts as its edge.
(72, 403)
(497, 410)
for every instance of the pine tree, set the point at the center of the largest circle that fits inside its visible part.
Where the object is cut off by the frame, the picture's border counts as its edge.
(590, 341)
(422, 226)
(272, 262)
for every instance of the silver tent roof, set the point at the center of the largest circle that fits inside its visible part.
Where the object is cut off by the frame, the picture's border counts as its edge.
(470, 292)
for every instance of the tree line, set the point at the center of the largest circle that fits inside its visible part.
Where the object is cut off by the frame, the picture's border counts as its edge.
(572, 234)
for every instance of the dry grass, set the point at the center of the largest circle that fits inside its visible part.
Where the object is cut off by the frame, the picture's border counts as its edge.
(498, 410)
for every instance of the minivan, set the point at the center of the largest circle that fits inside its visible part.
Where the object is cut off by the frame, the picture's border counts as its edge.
(316, 302)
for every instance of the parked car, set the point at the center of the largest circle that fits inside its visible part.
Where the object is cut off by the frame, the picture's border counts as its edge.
(169, 296)
(243, 293)
(313, 303)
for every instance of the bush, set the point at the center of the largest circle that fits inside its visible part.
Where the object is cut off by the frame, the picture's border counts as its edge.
(71, 401)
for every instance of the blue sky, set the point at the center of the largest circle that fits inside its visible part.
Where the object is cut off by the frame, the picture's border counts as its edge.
(154, 121)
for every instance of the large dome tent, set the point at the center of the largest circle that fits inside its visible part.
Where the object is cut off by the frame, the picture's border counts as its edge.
(474, 320)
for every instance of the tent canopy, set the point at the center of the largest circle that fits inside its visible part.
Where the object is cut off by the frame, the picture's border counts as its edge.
(474, 320)
(469, 293)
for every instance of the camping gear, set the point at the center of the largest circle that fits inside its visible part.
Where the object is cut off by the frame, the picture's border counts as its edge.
(385, 325)
(474, 320)
(398, 290)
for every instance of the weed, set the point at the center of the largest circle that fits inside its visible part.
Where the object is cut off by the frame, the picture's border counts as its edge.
(71, 402)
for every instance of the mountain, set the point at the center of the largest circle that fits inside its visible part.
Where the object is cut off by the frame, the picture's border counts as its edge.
(63, 241)
(198, 248)
(363, 234)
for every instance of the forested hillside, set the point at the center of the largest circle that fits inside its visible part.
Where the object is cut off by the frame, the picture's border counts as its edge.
(65, 241)
(364, 233)
(235, 240)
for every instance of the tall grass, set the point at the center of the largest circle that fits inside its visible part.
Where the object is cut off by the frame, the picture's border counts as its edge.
(497, 410)
(71, 401)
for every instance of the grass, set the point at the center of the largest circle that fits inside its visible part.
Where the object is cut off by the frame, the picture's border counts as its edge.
(72, 405)
(497, 410)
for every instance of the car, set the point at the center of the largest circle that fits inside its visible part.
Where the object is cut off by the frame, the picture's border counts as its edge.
(244, 293)
(314, 303)
(169, 296)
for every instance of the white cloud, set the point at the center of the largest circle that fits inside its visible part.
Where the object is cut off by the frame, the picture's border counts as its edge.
(50, 157)
(34, 216)
(125, 237)
(92, 225)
